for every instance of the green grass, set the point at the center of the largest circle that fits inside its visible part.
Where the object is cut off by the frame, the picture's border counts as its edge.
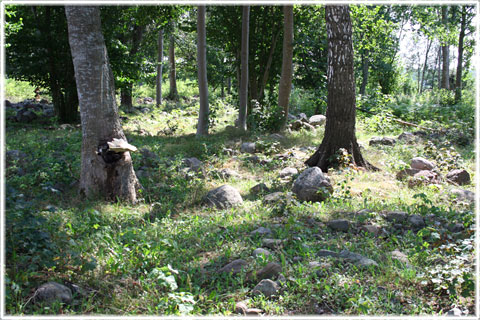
(160, 256)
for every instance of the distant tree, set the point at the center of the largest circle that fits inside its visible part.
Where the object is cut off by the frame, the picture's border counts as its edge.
(285, 85)
(173, 94)
(110, 174)
(341, 109)
(445, 54)
(159, 68)
(37, 51)
(243, 94)
(202, 126)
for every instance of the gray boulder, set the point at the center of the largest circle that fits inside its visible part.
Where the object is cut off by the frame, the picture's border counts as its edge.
(459, 176)
(408, 172)
(193, 163)
(248, 147)
(223, 197)
(383, 141)
(229, 173)
(462, 194)
(234, 267)
(372, 229)
(317, 120)
(51, 292)
(25, 115)
(416, 221)
(399, 256)
(312, 185)
(407, 136)
(271, 243)
(266, 287)
(273, 197)
(421, 164)
(327, 253)
(339, 225)
(396, 216)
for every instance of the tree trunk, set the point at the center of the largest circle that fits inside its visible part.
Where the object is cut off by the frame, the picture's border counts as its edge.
(159, 67)
(363, 86)
(173, 94)
(458, 78)
(341, 109)
(126, 97)
(202, 127)
(266, 73)
(439, 67)
(243, 94)
(445, 54)
(113, 176)
(285, 85)
(229, 85)
(429, 43)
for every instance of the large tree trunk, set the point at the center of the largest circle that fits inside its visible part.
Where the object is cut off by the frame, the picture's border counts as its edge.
(173, 94)
(113, 176)
(340, 126)
(243, 94)
(285, 85)
(159, 67)
(458, 78)
(202, 126)
(445, 54)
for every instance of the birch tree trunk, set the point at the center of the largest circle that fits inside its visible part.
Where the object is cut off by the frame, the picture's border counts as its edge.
(243, 94)
(202, 126)
(159, 68)
(285, 85)
(341, 109)
(110, 177)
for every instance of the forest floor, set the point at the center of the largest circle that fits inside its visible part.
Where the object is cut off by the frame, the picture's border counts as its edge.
(162, 255)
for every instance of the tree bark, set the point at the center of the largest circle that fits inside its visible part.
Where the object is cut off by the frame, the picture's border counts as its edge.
(341, 109)
(111, 177)
(458, 77)
(173, 94)
(159, 67)
(202, 126)
(268, 66)
(429, 43)
(445, 54)
(243, 94)
(285, 85)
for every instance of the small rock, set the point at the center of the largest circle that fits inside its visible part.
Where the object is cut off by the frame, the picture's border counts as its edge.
(241, 308)
(260, 251)
(396, 216)
(288, 172)
(270, 271)
(276, 136)
(259, 188)
(193, 163)
(223, 197)
(373, 229)
(339, 225)
(291, 117)
(312, 185)
(314, 264)
(297, 259)
(261, 232)
(407, 136)
(383, 141)
(408, 172)
(266, 287)
(421, 164)
(457, 227)
(416, 221)
(273, 197)
(228, 151)
(462, 194)
(420, 133)
(399, 256)
(317, 120)
(456, 312)
(247, 147)
(271, 243)
(229, 173)
(357, 259)
(254, 311)
(308, 126)
(459, 176)
(25, 115)
(51, 292)
(326, 253)
(234, 267)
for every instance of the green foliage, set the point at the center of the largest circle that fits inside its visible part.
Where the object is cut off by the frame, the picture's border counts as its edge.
(445, 156)
(264, 118)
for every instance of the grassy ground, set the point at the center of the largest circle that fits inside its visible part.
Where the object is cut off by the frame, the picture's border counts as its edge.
(160, 256)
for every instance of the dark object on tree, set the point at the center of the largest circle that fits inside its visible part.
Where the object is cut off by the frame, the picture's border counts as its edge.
(112, 151)
(340, 125)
